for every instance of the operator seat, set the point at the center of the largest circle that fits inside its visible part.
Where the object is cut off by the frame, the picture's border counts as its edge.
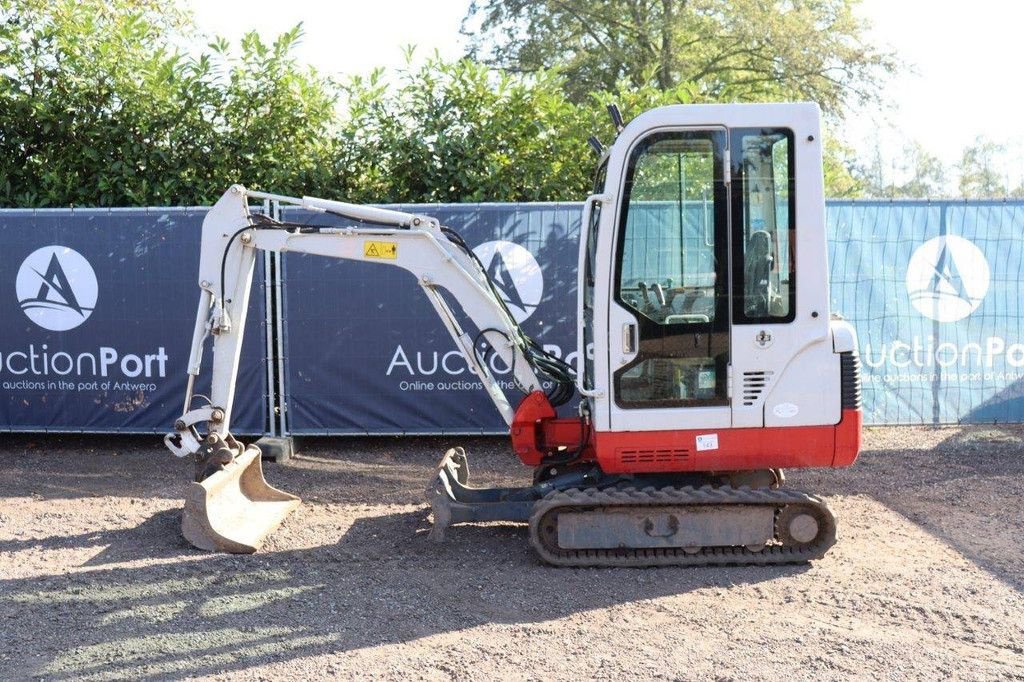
(757, 282)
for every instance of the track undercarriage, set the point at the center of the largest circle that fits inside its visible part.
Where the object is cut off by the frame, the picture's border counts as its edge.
(583, 517)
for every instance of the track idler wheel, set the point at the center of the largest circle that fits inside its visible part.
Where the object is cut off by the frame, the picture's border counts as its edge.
(796, 526)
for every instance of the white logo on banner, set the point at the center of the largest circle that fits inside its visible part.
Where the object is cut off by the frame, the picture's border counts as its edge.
(947, 278)
(516, 275)
(57, 288)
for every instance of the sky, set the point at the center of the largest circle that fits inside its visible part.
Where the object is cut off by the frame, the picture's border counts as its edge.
(962, 79)
(344, 36)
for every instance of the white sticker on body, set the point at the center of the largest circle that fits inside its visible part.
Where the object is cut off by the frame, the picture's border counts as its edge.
(785, 410)
(707, 442)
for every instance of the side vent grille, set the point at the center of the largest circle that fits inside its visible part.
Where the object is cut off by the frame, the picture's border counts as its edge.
(654, 456)
(753, 385)
(849, 367)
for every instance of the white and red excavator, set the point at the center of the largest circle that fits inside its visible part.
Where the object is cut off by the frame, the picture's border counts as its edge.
(707, 358)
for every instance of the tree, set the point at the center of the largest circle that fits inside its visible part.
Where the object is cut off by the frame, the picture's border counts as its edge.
(915, 174)
(273, 120)
(732, 50)
(76, 79)
(979, 172)
(843, 177)
(924, 173)
(875, 180)
(98, 107)
(460, 131)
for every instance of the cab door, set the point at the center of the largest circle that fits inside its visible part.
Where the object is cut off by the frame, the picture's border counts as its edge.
(669, 311)
(784, 369)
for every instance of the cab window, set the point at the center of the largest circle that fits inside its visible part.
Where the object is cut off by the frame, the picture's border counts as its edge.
(672, 261)
(763, 226)
(668, 254)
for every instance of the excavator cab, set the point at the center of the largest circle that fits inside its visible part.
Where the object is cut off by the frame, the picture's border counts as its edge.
(725, 224)
(707, 358)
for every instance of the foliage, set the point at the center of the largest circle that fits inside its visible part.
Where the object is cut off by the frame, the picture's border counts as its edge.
(733, 50)
(924, 173)
(74, 78)
(979, 172)
(99, 107)
(276, 117)
(461, 131)
(913, 174)
(718, 50)
(839, 161)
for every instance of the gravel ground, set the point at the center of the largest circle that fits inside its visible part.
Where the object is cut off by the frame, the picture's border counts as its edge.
(95, 581)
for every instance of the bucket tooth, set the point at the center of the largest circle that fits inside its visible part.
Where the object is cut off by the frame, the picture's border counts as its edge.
(235, 509)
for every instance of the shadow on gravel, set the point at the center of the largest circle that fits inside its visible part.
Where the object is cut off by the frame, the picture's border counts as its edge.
(148, 539)
(70, 466)
(966, 491)
(383, 583)
(73, 466)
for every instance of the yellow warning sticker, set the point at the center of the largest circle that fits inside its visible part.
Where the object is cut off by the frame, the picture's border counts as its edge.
(380, 249)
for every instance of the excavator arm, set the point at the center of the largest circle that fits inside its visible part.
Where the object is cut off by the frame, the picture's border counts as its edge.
(232, 235)
(228, 474)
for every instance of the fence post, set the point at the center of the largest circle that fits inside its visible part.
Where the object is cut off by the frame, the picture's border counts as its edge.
(936, 328)
(278, 446)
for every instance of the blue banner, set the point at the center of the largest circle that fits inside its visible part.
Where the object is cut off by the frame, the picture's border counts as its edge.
(98, 308)
(934, 290)
(365, 352)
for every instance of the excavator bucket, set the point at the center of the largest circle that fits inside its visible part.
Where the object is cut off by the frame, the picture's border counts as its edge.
(235, 509)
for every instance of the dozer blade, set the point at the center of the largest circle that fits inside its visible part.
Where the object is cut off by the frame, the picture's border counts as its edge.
(453, 500)
(235, 509)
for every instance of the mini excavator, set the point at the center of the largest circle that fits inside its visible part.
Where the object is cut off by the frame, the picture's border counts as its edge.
(707, 358)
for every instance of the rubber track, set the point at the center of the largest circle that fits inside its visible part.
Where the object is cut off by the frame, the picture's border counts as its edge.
(707, 495)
